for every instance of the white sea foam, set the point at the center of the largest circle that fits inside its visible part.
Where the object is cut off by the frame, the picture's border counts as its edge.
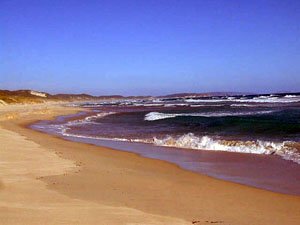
(290, 96)
(269, 100)
(170, 105)
(99, 115)
(207, 105)
(199, 105)
(134, 140)
(157, 100)
(261, 99)
(152, 116)
(158, 116)
(190, 141)
(86, 120)
(63, 128)
(231, 98)
(204, 100)
(243, 105)
(148, 104)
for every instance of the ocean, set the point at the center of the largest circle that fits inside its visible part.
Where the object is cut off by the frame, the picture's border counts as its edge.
(211, 135)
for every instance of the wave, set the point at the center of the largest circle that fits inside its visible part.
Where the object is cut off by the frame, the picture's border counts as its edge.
(286, 150)
(98, 115)
(243, 105)
(206, 105)
(170, 105)
(268, 100)
(64, 132)
(200, 105)
(148, 104)
(192, 105)
(152, 116)
(273, 99)
(63, 128)
(261, 99)
(204, 100)
(290, 96)
(164, 105)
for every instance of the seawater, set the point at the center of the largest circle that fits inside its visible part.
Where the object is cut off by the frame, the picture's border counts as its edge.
(266, 125)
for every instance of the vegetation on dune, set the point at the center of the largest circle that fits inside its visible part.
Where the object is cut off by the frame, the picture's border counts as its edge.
(31, 97)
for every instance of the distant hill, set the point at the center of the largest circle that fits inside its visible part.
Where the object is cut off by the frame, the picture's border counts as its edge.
(31, 97)
(22, 96)
(72, 97)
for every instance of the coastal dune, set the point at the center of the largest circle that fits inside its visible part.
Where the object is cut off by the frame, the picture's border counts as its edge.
(48, 180)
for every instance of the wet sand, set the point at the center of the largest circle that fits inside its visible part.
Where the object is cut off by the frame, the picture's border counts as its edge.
(48, 180)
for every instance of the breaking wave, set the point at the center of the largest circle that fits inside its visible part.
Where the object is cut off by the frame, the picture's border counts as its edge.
(89, 119)
(99, 115)
(152, 116)
(63, 128)
(243, 105)
(260, 99)
(286, 150)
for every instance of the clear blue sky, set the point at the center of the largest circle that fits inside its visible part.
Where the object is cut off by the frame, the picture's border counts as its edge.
(150, 46)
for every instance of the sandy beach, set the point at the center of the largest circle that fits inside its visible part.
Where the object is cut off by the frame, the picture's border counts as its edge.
(47, 180)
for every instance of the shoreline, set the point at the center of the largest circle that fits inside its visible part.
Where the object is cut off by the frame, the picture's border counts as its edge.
(236, 167)
(153, 190)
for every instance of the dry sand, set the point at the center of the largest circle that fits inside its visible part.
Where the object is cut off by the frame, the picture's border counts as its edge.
(47, 180)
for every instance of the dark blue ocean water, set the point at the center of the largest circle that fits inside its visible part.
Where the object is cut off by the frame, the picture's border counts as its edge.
(179, 129)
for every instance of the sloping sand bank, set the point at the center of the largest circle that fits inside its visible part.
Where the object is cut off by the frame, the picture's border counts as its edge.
(47, 180)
